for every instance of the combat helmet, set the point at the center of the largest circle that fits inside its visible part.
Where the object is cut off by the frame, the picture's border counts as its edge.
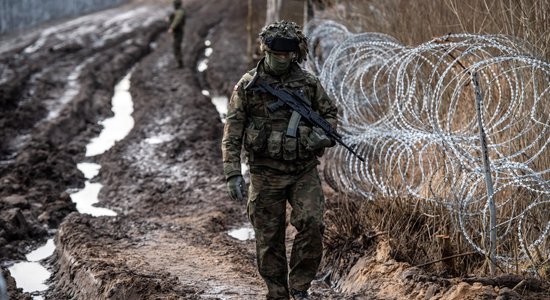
(284, 36)
(177, 3)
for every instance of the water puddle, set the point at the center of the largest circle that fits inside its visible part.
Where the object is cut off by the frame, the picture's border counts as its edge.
(220, 102)
(21, 271)
(159, 139)
(42, 252)
(242, 234)
(31, 275)
(117, 127)
(221, 105)
(87, 197)
(203, 62)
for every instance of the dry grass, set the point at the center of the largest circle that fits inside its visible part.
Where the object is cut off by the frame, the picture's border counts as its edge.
(421, 232)
(416, 21)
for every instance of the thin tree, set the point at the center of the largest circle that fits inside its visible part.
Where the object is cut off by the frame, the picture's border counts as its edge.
(249, 33)
(273, 11)
(308, 11)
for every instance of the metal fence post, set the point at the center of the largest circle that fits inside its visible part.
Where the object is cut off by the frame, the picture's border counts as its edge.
(492, 231)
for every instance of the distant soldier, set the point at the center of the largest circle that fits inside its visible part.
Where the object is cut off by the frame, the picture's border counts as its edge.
(283, 153)
(177, 21)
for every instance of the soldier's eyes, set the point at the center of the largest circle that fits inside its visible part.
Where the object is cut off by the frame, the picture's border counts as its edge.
(284, 54)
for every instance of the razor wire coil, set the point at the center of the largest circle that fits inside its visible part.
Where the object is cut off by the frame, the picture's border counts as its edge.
(410, 111)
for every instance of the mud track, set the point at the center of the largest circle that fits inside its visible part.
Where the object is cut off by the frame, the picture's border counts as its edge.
(169, 240)
(164, 180)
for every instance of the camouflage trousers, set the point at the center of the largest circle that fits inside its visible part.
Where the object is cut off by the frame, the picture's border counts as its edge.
(176, 47)
(268, 194)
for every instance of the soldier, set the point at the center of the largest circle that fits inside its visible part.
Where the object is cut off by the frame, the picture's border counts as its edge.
(177, 21)
(282, 167)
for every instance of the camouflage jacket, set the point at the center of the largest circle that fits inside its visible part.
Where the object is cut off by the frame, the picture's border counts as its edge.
(250, 124)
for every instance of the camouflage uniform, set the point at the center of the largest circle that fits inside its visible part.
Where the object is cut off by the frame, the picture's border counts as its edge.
(177, 21)
(281, 168)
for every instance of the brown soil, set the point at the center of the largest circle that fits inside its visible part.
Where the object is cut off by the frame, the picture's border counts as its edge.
(169, 239)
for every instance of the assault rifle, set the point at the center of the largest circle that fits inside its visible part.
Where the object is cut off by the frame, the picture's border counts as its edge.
(297, 103)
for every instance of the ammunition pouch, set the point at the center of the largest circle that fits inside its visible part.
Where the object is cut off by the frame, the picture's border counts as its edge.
(274, 144)
(254, 139)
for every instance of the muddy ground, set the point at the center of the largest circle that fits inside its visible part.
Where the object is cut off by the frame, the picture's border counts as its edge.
(169, 239)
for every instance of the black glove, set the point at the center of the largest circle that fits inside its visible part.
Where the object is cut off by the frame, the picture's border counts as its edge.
(235, 187)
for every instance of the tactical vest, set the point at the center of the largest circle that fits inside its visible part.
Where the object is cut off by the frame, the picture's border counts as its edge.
(266, 131)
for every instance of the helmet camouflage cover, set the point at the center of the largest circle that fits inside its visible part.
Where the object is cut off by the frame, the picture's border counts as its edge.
(284, 36)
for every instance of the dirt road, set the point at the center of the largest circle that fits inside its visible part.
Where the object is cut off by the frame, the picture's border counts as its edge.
(170, 237)
(169, 240)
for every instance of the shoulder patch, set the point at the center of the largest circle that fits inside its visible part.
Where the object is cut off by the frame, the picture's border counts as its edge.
(243, 81)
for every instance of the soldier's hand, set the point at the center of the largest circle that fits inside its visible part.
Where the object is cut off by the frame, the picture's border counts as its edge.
(235, 187)
(317, 139)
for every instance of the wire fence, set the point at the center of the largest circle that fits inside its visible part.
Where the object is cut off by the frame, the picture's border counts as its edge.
(411, 112)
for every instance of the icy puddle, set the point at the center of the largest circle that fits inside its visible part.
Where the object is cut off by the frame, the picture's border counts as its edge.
(31, 275)
(87, 197)
(117, 127)
(220, 102)
(114, 129)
